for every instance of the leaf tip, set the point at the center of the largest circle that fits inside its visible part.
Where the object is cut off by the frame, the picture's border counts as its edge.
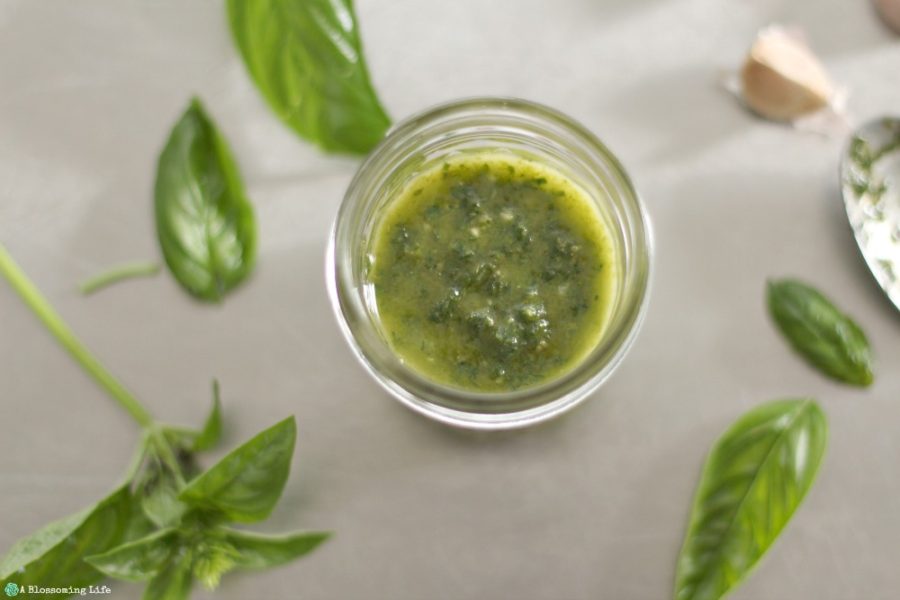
(196, 104)
(321, 536)
(217, 397)
(288, 424)
(866, 378)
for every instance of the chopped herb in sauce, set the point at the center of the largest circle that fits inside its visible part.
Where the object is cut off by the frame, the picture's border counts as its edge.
(492, 273)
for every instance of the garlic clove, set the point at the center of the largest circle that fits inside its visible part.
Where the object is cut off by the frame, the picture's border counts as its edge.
(782, 79)
(890, 12)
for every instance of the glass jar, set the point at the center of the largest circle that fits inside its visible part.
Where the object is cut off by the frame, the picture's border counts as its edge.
(527, 130)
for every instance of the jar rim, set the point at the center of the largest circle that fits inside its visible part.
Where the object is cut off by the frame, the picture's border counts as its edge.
(456, 406)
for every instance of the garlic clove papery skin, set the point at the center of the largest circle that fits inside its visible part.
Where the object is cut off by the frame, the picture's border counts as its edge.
(782, 79)
(890, 12)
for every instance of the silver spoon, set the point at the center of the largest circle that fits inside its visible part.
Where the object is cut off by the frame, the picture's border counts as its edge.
(870, 183)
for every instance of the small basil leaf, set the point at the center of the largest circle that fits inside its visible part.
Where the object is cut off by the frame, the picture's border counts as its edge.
(245, 485)
(53, 556)
(157, 486)
(181, 440)
(258, 551)
(754, 479)
(160, 501)
(139, 560)
(213, 557)
(173, 582)
(139, 524)
(827, 338)
(307, 60)
(204, 221)
(212, 429)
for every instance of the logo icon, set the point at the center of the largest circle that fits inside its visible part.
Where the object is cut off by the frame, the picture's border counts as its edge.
(11, 589)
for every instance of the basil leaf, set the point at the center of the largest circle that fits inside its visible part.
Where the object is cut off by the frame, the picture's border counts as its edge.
(212, 429)
(245, 485)
(173, 582)
(157, 485)
(817, 330)
(139, 524)
(754, 479)
(160, 502)
(52, 556)
(204, 221)
(306, 58)
(139, 560)
(258, 551)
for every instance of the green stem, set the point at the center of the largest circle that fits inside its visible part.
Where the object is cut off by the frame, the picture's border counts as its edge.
(167, 455)
(116, 274)
(51, 319)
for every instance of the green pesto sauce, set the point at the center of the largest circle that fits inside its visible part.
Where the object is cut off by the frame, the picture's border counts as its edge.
(492, 273)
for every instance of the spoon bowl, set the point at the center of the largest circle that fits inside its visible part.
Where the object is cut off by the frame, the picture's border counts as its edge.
(870, 184)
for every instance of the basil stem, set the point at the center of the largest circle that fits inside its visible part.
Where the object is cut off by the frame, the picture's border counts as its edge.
(39, 305)
(116, 274)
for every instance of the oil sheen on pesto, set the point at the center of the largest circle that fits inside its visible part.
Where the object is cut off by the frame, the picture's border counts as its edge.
(492, 273)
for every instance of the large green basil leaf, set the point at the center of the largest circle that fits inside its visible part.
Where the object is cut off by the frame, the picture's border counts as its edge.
(307, 60)
(246, 484)
(53, 556)
(139, 560)
(754, 479)
(204, 221)
(259, 551)
(817, 330)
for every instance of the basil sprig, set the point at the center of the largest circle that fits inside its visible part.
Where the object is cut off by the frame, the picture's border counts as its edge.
(167, 523)
(242, 487)
(816, 329)
(306, 58)
(204, 221)
(755, 477)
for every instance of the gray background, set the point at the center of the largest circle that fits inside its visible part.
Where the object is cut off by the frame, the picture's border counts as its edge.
(592, 505)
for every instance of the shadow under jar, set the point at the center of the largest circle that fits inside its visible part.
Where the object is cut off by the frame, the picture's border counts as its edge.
(490, 263)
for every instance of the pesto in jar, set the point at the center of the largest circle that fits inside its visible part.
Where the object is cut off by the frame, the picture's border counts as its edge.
(492, 273)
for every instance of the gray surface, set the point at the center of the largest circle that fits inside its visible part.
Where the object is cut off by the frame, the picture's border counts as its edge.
(592, 505)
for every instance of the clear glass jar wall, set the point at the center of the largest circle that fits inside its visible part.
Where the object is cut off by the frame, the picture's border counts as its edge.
(529, 131)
